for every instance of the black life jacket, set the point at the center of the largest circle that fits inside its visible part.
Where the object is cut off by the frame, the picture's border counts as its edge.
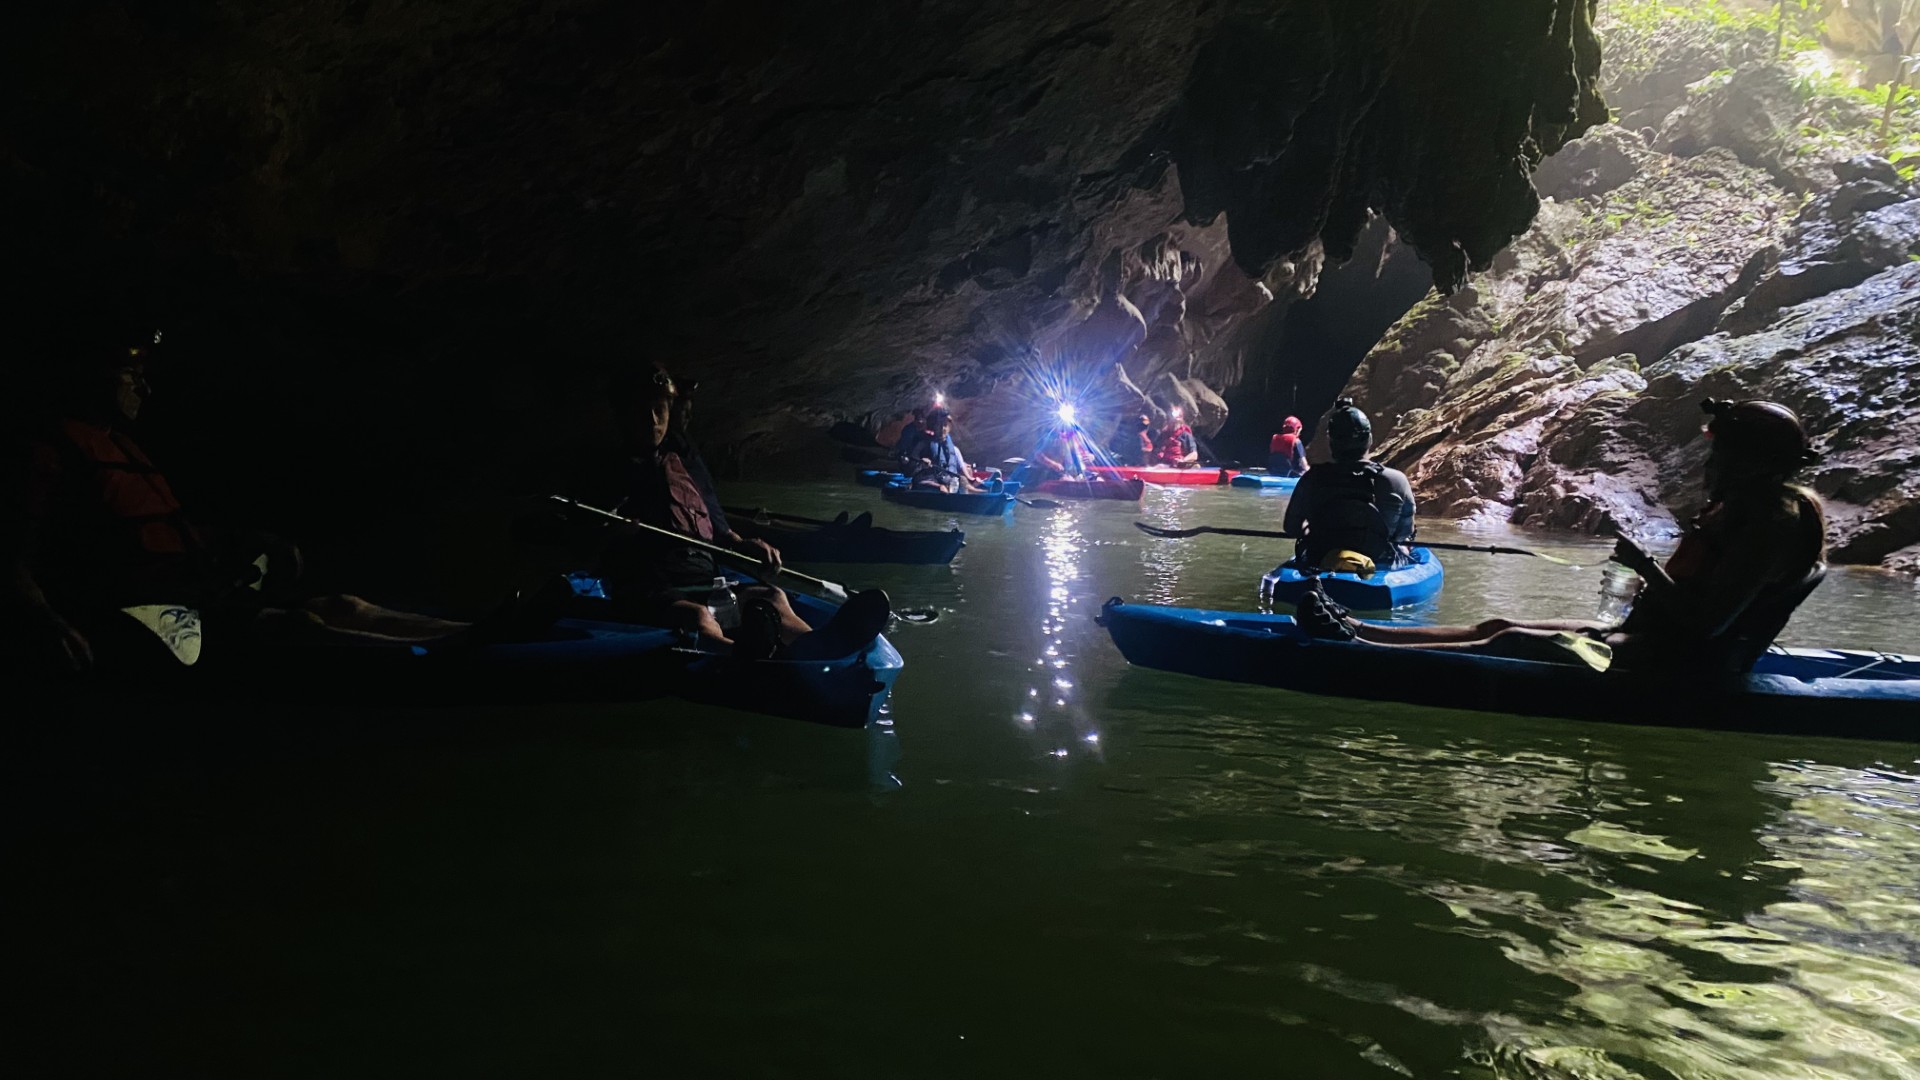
(1347, 515)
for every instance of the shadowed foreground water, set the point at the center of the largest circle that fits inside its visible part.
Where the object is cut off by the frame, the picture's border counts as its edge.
(1050, 865)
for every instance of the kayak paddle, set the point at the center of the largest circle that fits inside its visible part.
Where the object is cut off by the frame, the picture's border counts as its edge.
(1272, 534)
(1039, 504)
(833, 589)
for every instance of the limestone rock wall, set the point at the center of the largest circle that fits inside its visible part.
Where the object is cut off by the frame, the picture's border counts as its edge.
(1699, 253)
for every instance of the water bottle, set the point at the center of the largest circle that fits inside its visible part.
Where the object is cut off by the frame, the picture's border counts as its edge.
(1619, 587)
(723, 605)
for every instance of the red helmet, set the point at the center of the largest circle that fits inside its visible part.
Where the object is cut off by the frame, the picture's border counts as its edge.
(1760, 433)
(1291, 425)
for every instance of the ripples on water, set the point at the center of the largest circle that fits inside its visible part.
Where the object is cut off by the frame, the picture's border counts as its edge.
(1451, 894)
(1050, 865)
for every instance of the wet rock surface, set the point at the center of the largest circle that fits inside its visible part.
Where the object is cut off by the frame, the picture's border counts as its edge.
(1725, 238)
(1562, 389)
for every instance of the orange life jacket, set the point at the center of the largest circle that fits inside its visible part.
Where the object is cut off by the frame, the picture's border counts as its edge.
(1283, 444)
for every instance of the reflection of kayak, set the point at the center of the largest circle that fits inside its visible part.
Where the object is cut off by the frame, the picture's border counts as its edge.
(827, 542)
(1804, 691)
(1165, 474)
(1099, 488)
(1264, 481)
(1383, 591)
(989, 503)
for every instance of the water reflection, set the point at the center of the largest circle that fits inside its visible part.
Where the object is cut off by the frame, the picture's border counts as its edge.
(1164, 562)
(1049, 710)
(1759, 922)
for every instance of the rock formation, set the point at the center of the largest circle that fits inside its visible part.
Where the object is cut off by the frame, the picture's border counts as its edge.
(449, 221)
(1729, 256)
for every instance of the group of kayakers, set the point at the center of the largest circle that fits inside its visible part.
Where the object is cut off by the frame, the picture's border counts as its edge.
(1744, 564)
(106, 567)
(104, 561)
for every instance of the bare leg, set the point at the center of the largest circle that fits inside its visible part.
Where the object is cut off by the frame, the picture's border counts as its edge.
(791, 624)
(696, 618)
(352, 616)
(1477, 634)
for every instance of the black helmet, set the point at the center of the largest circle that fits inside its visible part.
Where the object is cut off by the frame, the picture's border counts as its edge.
(1763, 434)
(1348, 430)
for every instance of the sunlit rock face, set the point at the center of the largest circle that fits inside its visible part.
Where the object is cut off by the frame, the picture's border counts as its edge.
(823, 211)
(1702, 251)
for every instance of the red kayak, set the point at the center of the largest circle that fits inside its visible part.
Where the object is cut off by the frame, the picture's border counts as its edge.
(1165, 474)
(1101, 487)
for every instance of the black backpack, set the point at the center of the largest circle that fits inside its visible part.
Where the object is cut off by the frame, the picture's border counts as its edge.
(1348, 515)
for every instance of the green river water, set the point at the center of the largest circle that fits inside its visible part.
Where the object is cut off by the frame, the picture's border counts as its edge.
(1045, 865)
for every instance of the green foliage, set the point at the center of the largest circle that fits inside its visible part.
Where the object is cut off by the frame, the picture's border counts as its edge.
(1643, 38)
(1641, 35)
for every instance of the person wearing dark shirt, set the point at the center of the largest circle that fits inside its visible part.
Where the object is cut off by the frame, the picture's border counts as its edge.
(1135, 443)
(938, 463)
(1351, 503)
(653, 579)
(1746, 562)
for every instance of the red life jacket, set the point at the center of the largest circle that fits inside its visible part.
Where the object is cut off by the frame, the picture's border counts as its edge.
(109, 531)
(1282, 444)
(112, 479)
(1173, 447)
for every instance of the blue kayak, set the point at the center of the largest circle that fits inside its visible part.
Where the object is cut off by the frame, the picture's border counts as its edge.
(572, 659)
(876, 477)
(1265, 482)
(1790, 691)
(991, 503)
(1413, 583)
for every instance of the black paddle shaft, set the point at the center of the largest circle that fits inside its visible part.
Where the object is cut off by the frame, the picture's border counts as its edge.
(1274, 534)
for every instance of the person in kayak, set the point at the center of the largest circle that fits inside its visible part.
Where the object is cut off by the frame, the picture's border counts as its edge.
(654, 580)
(1178, 447)
(1351, 503)
(1065, 455)
(1745, 563)
(97, 536)
(938, 464)
(1287, 453)
(1135, 442)
(904, 439)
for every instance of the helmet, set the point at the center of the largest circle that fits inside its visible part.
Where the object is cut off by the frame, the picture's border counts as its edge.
(1764, 434)
(1291, 425)
(1348, 429)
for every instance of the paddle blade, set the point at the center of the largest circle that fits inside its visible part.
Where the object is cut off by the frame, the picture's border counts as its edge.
(834, 591)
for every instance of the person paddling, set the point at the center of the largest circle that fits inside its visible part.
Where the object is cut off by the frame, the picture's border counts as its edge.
(1064, 455)
(108, 570)
(938, 463)
(905, 439)
(1351, 503)
(654, 580)
(1745, 563)
(1178, 447)
(1135, 443)
(1286, 452)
